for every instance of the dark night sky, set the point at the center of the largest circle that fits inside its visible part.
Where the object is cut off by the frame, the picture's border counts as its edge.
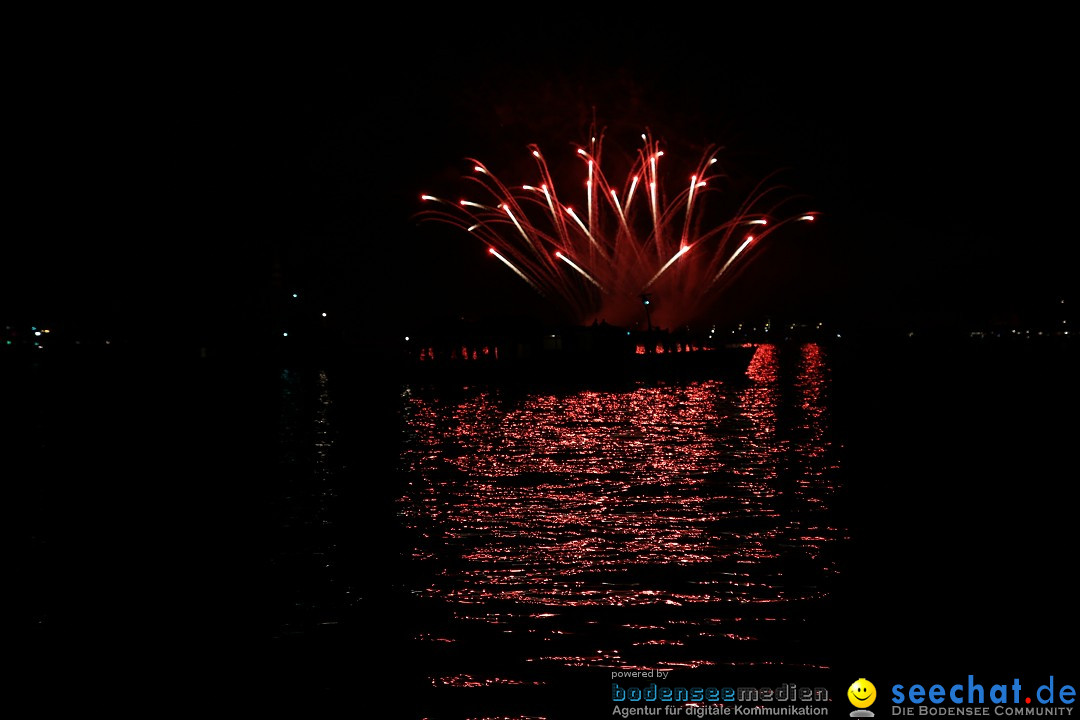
(171, 186)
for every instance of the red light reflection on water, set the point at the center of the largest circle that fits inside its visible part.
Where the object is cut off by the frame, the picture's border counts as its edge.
(464, 680)
(668, 496)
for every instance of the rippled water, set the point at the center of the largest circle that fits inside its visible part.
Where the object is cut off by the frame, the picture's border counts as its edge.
(681, 525)
(498, 551)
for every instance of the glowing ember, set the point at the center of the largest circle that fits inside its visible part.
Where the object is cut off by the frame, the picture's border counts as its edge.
(631, 243)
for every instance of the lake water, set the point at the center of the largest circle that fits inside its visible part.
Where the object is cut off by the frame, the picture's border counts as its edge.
(498, 551)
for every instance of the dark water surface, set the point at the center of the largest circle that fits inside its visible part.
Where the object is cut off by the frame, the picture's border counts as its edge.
(308, 530)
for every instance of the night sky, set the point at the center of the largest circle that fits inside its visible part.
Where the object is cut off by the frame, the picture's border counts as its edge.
(184, 191)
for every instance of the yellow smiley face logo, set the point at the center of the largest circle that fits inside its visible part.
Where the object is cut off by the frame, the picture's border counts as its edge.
(862, 693)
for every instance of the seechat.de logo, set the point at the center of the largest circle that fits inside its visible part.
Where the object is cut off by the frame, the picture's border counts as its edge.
(976, 698)
(862, 694)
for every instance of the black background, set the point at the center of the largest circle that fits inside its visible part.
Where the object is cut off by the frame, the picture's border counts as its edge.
(174, 180)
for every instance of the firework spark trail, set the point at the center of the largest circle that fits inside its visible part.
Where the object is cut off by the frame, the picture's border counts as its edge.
(510, 265)
(598, 265)
(572, 264)
(665, 266)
